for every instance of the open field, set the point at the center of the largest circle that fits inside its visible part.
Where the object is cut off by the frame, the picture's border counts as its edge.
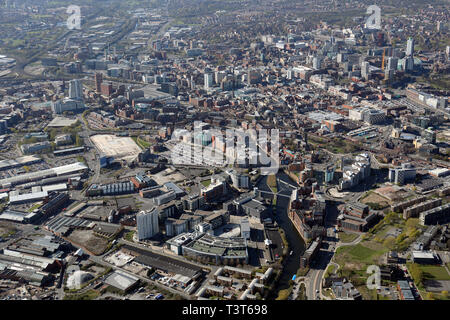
(347, 237)
(375, 198)
(434, 272)
(87, 239)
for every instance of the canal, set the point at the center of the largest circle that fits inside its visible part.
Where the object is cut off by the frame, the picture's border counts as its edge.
(296, 243)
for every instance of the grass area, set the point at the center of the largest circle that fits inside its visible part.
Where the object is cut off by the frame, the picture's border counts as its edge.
(328, 293)
(34, 207)
(141, 143)
(330, 271)
(354, 260)
(284, 294)
(362, 253)
(206, 183)
(347, 237)
(272, 183)
(431, 272)
(129, 236)
(410, 231)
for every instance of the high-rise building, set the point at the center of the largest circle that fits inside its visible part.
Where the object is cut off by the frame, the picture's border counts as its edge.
(365, 70)
(410, 47)
(147, 223)
(208, 80)
(76, 90)
(98, 81)
(392, 63)
(409, 64)
(3, 126)
(317, 63)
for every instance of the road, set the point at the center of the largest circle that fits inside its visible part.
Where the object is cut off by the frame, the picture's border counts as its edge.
(100, 261)
(324, 258)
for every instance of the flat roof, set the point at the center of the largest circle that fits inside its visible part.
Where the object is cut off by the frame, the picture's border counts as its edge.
(18, 162)
(121, 280)
(422, 255)
(28, 196)
(163, 262)
(32, 176)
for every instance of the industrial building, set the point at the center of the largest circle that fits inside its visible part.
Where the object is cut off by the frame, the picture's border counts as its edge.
(77, 167)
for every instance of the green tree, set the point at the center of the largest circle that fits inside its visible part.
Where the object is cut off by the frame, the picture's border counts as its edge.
(416, 273)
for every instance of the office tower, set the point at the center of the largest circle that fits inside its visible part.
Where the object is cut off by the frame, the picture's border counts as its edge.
(192, 83)
(3, 126)
(341, 57)
(388, 74)
(76, 89)
(365, 70)
(392, 63)
(98, 81)
(208, 80)
(409, 64)
(410, 47)
(290, 74)
(147, 223)
(317, 63)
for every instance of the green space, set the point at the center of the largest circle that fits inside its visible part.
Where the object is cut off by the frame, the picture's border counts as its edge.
(35, 206)
(141, 143)
(347, 237)
(431, 272)
(206, 183)
(330, 271)
(302, 292)
(272, 183)
(284, 294)
(129, 236)
(410, 231)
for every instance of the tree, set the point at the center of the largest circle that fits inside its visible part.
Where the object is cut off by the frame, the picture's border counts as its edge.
(283, 294)
(416, 273)
(79, 141)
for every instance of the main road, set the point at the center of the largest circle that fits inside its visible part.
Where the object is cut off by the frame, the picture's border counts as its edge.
(315, 275)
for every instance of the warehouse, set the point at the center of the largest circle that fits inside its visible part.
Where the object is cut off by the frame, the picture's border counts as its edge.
(39, 175)
(65, 152)
(28, 197)
(18, 216)
(19, 162)
(122, 281)
(164, 263)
